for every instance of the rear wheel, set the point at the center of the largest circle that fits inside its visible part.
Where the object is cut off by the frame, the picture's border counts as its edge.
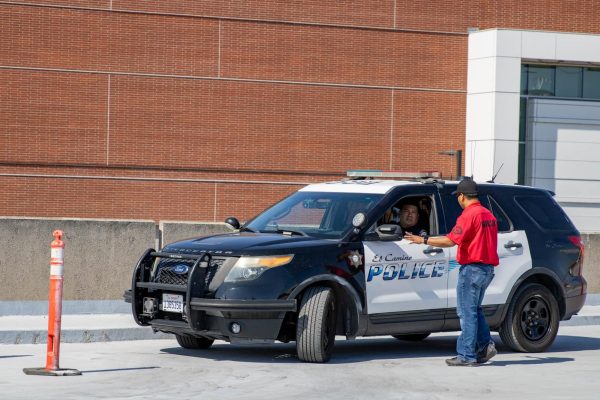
(531, 323)
(412, 337)
(191, 342)
(315, 330)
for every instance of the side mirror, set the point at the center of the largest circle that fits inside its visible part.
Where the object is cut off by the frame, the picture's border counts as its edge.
(232, 223)
(389, 232)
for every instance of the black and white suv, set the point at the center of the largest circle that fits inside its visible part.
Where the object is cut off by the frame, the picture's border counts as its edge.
(318, 264)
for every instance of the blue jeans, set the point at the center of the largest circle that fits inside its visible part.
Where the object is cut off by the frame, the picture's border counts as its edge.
(473, 280)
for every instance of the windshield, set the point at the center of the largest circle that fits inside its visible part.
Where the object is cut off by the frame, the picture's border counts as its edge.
(322, 215)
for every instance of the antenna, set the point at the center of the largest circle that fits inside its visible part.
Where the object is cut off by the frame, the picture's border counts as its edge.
(473, 152)
(496, 174)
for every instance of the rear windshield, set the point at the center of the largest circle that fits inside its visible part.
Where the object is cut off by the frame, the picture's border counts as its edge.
(545, 212)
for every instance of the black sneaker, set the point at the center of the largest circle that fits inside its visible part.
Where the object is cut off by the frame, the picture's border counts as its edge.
(459, 362)
(486, 354)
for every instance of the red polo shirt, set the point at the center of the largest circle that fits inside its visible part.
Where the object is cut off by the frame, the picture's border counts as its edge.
(476, 234)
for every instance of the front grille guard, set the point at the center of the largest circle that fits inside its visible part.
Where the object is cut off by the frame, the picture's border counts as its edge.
(140, 283)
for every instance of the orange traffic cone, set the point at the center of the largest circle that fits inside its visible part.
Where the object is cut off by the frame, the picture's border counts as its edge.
(54, 312)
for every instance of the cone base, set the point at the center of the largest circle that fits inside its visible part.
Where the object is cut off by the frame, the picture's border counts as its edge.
(51, 372)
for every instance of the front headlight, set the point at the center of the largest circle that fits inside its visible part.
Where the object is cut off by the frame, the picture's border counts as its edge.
(248, 268)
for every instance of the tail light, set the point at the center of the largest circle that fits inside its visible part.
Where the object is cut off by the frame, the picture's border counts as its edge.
(577, 268)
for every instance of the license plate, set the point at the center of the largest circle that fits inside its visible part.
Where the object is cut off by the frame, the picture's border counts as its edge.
(172, 302)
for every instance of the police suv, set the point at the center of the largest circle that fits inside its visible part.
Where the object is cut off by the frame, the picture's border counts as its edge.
(322, 262)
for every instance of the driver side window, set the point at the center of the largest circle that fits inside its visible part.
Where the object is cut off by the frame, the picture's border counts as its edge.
(415, 214)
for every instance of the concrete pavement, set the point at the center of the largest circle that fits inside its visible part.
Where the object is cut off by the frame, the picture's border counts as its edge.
(367, 368)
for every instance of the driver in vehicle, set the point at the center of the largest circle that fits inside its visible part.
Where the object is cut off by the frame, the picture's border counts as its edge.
(409, 219)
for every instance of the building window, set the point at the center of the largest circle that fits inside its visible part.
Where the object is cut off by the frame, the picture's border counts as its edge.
(540, 80)
(558, 81)
(569, 82)
(591, 86)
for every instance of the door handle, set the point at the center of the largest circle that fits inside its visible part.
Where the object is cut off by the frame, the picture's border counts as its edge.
(512, 245)
(432, 250)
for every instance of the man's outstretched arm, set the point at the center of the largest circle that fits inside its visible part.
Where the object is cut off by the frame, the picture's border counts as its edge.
(436, 241)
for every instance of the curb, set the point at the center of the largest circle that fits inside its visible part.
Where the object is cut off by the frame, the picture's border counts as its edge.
(580, 320)
(82, 336)
(37, 336)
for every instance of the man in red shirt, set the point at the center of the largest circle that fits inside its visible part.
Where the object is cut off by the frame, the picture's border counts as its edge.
(476, 234)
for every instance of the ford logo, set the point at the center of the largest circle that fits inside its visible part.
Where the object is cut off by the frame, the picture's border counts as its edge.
(180, 269)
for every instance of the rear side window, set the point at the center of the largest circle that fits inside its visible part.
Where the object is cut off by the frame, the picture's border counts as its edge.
(544, 211)
(504, 224)
(452, 211)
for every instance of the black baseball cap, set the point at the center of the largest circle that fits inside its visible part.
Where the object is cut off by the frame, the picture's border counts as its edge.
(466, 186)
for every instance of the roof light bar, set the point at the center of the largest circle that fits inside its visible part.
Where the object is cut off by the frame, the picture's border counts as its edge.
(375, 173)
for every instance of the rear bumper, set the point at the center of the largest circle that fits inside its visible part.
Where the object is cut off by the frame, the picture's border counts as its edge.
(573, 305)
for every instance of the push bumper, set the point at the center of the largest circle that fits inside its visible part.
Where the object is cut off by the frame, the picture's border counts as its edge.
(257, 320)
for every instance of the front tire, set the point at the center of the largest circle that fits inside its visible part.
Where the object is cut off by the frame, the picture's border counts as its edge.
(531, 323)
(191, 342)
(315, 330)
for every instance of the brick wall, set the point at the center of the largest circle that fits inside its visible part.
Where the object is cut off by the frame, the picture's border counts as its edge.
(167, 109)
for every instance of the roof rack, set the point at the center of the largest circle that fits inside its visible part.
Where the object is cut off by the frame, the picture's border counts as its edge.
(374, 173)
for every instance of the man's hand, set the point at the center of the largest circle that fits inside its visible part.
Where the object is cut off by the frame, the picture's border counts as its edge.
(437, 241)
(414, 238)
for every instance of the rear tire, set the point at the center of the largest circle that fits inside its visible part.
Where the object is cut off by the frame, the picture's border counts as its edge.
(412, 337)
(315, 330)
(531, 323)
(191, 342)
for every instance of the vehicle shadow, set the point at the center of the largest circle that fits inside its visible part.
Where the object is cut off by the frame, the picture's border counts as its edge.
(346, 351)
(17, 356)
(380, 348)
(565, 343)
(117, 369)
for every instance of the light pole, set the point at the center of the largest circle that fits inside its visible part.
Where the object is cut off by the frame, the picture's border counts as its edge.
(458, 155)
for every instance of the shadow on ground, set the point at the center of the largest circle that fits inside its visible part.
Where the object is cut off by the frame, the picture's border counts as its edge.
(355, 351)
(17, 356)
(117, 369)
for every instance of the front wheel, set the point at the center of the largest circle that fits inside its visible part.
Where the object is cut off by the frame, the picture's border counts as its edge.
(531, 323)
(315, 330)
(191, 342)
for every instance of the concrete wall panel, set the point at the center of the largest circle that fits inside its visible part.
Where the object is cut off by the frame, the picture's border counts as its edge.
(99, 257)
(173, 231)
